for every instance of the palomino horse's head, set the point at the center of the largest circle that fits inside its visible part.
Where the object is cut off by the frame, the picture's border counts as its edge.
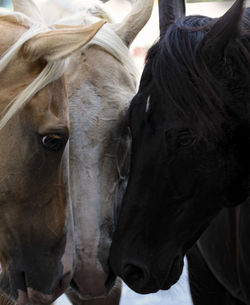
(190, 149)
(101, 80)
(34, 130)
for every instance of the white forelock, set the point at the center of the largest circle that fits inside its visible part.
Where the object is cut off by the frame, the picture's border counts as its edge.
(112, 43)
(91, 11)
(106, 38)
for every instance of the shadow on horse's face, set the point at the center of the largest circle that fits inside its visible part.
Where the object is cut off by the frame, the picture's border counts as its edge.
(189, 156)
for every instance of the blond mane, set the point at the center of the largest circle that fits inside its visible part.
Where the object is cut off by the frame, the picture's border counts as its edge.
(92, 11)
(51, 72)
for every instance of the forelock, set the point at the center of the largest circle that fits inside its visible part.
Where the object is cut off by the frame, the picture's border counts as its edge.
(181, 76)
(51, 72)
(106, 38)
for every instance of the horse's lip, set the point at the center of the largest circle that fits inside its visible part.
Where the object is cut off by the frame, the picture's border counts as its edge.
(74, 286)
(173, 274)
(109, 283)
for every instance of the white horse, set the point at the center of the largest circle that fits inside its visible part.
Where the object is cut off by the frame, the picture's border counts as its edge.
(101, 80)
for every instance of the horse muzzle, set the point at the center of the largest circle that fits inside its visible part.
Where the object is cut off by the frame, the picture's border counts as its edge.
(89, 287)
(32, 296)
(22, 287)
(146, 278)
(37, 280)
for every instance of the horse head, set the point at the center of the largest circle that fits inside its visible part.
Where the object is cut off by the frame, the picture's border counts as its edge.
(34, 130)
(101, 81)
(189, 123)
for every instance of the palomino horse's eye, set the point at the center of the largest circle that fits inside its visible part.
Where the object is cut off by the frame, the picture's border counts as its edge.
(186, 138)
(54, 142)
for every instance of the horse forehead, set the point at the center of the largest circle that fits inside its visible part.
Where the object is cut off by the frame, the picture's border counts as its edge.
(111, 69)
(9, 33)
(100, 112)
(19, 72)
(101, 69)
(53, 96)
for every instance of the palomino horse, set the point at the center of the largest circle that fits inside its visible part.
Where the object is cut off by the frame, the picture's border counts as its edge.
(33, 131)
(101, 80)
(190, 159)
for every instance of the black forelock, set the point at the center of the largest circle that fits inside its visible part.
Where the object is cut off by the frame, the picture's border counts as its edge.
(179, 72)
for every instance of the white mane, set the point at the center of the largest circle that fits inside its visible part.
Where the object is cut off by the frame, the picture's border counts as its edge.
(51, 72)
(90, 12)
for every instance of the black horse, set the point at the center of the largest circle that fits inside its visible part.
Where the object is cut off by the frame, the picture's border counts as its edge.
(190, 161)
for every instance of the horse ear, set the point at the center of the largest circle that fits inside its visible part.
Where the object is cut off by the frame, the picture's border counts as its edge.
(223, 31)
(29, 8)
(60, 43)
(169, 11)
(140, 13)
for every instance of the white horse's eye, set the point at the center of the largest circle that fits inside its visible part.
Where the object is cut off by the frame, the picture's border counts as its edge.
(148, 104)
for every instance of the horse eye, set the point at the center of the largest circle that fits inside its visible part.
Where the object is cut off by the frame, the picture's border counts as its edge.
(54, 142)
(186, 139)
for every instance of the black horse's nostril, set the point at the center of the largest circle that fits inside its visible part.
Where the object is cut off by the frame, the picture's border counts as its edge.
(135, 275)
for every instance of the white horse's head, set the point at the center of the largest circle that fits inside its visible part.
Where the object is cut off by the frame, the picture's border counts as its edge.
(101, 80)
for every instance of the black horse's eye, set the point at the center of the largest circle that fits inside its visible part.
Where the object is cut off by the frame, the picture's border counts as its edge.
(186, 138)
(54, 142)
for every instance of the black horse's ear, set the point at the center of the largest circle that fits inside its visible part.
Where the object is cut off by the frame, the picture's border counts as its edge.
(222, 32)
(169, 11)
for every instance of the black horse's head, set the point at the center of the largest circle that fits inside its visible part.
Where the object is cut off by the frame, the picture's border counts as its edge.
(190, 145)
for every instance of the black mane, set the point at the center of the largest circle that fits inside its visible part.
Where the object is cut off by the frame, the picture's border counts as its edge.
(206, 91)
(189, 178)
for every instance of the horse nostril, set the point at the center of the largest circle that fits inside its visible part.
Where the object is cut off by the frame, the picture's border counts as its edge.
(63, 284)
(134, 274)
